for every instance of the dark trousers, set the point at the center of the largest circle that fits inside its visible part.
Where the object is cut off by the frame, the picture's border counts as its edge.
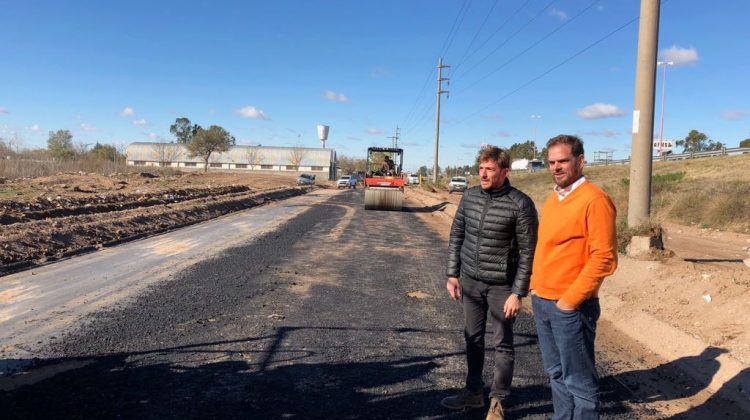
(478, 298)
(566, 340)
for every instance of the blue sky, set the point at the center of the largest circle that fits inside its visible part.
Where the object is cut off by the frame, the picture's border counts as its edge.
(269, 72)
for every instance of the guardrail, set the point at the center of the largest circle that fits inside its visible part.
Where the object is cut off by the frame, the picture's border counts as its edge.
(724, 151)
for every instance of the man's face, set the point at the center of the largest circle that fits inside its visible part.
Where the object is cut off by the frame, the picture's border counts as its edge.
(491, 175)
(564, 167)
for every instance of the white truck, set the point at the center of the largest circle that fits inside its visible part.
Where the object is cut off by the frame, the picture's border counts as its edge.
(529, 165)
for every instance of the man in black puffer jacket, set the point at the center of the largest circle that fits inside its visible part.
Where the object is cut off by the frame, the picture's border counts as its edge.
(491, 251)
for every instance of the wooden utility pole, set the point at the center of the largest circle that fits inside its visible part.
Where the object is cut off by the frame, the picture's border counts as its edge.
(639, 201)
(437, 118)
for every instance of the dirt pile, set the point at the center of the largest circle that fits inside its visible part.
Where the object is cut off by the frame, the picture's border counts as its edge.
(48, 218)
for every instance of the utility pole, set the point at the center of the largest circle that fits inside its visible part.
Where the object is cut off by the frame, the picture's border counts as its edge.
(437, 117)
(639, 201)
(394, 139)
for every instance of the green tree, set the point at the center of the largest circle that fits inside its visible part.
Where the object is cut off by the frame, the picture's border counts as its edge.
(183, 130)
(103, 152)
(697, 142)
(60, 144)
(206, 142)
(542, 155)
(745, 143)
(522, 150)
(422, 170)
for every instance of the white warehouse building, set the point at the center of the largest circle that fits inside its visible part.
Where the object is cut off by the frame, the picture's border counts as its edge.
(242, 158)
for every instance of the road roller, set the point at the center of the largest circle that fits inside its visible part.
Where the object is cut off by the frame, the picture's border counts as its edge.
(384, 180)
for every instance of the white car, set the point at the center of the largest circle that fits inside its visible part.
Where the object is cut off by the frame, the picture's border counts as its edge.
(458, 183)
(347, 181)
(413, 179)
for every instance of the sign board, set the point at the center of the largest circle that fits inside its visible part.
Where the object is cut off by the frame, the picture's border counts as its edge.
(666, 145)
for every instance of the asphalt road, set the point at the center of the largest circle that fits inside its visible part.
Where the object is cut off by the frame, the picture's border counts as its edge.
(336, 313)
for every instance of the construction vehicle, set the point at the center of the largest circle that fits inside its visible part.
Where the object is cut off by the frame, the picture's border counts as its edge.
(384, 180)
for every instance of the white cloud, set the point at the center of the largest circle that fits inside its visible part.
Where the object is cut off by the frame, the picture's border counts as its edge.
(4, 110)
(35, 128)
(252, 112)
(558, 14)
(127, 112)
(140, 121)
(735, 114)
(337, 97)
(373, 131)
(87, 127)
(680, 56)
(153, 135)
(599, 110)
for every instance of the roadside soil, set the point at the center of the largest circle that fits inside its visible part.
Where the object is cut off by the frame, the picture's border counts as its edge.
(48, 218)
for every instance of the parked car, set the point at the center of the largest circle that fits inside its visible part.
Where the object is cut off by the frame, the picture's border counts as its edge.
(413, 179)
(306, 179)
(347, 181)
(458, 183)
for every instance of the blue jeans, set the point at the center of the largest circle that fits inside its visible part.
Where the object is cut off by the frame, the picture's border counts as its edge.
(566, 340)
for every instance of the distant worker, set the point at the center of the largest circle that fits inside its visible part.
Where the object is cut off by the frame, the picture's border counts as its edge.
(388, 165)
(576, 250)
(490, 255)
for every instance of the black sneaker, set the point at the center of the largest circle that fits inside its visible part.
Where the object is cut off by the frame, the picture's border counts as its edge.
(464, 399)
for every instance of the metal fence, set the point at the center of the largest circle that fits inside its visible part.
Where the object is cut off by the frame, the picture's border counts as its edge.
(681, 156)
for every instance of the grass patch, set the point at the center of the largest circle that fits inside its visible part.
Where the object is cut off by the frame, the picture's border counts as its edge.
(672, 177)
(730, 206)
(8, 192)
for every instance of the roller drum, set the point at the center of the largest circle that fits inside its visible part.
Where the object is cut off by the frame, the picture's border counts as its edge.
(384, 199)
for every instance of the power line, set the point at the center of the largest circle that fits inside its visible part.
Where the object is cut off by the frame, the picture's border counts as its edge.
(446, 44)
(476, 35)
(454, 29)
(539, 41)
(553, 68)
(518, 31)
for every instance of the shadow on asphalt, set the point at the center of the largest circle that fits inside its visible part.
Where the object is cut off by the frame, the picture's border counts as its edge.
(129, 386)
(426, 209)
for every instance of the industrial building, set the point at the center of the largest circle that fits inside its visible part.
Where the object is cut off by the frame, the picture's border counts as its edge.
(317, 161)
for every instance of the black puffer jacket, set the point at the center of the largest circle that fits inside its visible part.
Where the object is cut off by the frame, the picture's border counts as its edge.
(493, 237)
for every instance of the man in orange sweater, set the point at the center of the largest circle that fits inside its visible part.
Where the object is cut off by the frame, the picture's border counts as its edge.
(576, 249)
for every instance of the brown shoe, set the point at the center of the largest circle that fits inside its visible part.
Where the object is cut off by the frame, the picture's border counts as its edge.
(464, 399)
(496, 410)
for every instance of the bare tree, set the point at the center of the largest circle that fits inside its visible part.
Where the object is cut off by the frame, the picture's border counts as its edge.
(15, 143)
(166, 153)
(254, 156)
(297, 155)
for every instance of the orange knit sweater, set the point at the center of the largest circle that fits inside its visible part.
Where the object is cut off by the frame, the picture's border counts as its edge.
(577, 246)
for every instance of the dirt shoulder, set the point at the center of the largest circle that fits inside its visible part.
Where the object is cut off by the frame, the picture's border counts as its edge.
(45, 219)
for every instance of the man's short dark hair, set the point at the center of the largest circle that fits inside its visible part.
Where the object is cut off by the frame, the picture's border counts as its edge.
(490, 152)
(575, 143)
